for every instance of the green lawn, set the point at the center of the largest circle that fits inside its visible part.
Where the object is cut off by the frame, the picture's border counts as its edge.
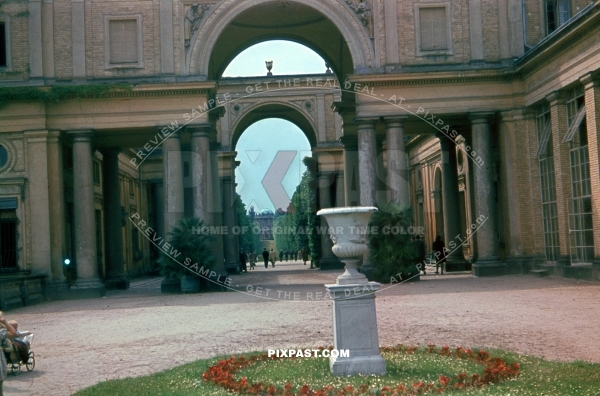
(538, 377)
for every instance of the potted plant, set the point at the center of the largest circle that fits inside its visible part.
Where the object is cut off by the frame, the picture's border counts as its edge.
(187, 239)
(390, 248)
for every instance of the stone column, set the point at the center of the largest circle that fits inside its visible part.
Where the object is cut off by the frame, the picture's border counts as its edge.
(367, 155)
(215, 210)
(56, 200)
(488, 262)
(200, 169)
(230, 240)
(397, 162)
(562, 172)
(592, 105)
(172, 181)
(328, 259)
(85, 226)
(351, 179)
(454, 236)
(116, 277)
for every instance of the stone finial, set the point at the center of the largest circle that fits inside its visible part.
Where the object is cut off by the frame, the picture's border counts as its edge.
(269, 65)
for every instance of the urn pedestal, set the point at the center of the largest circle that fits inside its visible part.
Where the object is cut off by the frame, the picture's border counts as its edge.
(354, 315)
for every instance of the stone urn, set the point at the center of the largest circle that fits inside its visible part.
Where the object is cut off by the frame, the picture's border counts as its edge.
(354, 318)
(348, 230)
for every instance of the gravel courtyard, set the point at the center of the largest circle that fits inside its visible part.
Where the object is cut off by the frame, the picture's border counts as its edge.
(139, 331)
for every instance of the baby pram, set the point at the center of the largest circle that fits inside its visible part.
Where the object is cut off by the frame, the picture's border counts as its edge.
(20, 353)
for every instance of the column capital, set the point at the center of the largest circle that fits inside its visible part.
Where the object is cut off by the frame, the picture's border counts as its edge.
(82, 135)
(168, 132)
(590, 80)
(513, 114)
(349, 142)
(397, 120)
(365, 122)
(480, 117)
(54, 136)
(556, 97)
(110, 151)
(200, 130)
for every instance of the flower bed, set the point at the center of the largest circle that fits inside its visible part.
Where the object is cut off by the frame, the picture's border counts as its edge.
(495, 369)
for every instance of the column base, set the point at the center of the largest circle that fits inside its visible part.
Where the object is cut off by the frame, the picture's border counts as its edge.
(232, 268)
(488, 266)
(87, 288)
(57, 290)
(329, 263)
(117, 283)
(454, 264)
(363, 365)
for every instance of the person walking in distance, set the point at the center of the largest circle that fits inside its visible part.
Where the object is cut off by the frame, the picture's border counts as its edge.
(439, 252)
(265, 255)
(252, 259)
(419, 247)
(273, 257)
(243, 260)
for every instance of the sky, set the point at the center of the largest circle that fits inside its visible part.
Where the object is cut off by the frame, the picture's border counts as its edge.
(270, 145)
(288, 58)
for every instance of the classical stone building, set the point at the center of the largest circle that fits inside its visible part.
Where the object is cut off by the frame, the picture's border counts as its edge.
(483, 115)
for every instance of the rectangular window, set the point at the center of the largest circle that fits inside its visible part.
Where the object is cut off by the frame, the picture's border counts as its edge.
(97, 174)
(581, 230)
(123, 41)
(433, 29)
(547, 183)
(558, 13)
(3, 45)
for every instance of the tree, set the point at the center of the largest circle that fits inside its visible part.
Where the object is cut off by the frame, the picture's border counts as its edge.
(300, 221)
(249, 237)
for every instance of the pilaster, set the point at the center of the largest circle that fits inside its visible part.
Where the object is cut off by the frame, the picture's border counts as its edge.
(562, 171)
(592, 108)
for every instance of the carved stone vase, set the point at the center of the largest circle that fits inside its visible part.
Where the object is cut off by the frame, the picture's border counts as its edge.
(354, 321)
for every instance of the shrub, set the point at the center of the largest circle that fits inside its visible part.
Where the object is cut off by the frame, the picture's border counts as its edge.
(391, 252)
(187, 242)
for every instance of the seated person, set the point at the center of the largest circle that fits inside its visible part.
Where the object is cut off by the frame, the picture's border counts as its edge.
(21, 345)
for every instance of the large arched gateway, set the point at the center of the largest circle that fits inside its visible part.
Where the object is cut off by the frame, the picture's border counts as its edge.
(117, 124)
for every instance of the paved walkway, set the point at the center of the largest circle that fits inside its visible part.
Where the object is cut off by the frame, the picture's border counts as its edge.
(140, 331)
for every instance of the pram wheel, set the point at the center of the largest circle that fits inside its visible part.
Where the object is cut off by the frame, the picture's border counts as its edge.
(15, 368)
(30, 362)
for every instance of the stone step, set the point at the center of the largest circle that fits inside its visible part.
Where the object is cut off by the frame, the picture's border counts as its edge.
(540, 272)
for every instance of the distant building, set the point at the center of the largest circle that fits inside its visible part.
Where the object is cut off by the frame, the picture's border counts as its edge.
(265, 221)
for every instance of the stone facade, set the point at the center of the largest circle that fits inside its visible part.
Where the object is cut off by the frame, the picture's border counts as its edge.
(482, 93)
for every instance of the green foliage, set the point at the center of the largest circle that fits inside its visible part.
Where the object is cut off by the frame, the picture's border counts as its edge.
(56, 93)
(191, 243)
(301, 217)
(390, 248)
(249, 237)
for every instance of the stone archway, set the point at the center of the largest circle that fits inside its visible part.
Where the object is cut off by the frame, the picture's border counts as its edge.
(330, 27)
(293, 113)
